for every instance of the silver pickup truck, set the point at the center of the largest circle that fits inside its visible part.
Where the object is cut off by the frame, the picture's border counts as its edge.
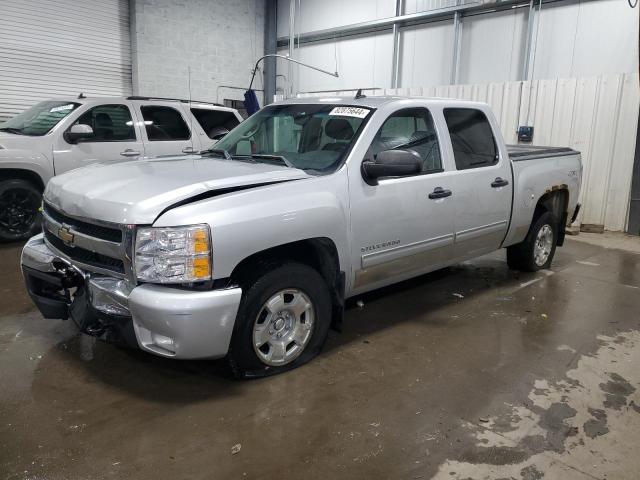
(249, 250)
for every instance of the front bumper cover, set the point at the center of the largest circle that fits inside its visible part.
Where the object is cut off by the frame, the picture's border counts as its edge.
(165, 321)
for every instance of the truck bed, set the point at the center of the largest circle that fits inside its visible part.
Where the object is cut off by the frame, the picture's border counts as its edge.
(519, 153)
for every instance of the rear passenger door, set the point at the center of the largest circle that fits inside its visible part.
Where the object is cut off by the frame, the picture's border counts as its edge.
(165, 130)
(483, 187)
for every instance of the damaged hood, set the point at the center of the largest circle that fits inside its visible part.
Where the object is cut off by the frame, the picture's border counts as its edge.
(137, 192)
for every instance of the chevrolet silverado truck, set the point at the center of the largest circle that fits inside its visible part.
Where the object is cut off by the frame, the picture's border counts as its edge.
(248, 250)
(56, 136)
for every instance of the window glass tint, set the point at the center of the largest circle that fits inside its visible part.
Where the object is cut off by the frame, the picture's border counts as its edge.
(471, 138)
(411, 128)
(39, 119)
(164, 123)
(110, 123)
(214, 122)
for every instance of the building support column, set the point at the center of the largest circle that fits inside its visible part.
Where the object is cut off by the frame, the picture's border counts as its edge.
(455, 56)
(395, 66)
(270, 41)
(528, 48)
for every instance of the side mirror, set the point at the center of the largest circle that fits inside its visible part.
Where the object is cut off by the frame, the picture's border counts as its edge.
(218, 133)
(78, 132)
(391, 163)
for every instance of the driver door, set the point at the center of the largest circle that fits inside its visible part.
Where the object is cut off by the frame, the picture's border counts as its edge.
(398, 230)
(115, 138)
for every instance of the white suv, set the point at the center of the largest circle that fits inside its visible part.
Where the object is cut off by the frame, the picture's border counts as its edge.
(55, 136)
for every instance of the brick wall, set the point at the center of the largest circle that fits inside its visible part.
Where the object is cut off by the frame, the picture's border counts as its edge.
(220, 40)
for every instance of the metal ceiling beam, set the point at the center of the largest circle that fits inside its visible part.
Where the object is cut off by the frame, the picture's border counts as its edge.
(374, 25)
(469, 8)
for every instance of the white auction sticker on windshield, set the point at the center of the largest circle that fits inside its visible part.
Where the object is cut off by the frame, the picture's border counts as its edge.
(61, 108)
(350, 112)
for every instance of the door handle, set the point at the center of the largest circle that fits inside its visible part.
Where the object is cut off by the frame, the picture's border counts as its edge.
(188, 150)
(130, 153)
(499, 182)
(439, 192)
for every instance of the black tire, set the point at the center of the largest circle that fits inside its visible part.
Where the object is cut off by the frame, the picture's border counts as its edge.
(20, 202)
(522, 256)
(242, 357)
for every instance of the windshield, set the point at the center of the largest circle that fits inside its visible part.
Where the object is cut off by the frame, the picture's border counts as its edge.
(39, 119)
(310, 137)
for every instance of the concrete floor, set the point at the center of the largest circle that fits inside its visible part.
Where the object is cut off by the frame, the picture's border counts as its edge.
(475, 372)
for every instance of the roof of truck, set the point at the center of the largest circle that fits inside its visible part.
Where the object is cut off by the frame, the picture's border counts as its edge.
(373, 101)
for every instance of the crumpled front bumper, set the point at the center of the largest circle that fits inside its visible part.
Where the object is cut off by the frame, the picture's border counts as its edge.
(166, 321)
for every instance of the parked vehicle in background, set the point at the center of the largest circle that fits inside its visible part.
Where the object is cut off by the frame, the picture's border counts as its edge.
(56, 136)
(250, 249)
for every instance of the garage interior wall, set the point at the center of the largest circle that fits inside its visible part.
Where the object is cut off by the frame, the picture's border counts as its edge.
(574, 39)
(61, 48)
(218, 41)
(584, 93)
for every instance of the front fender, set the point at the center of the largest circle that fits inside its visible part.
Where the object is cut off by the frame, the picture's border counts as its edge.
(34, 162)
(248, 222)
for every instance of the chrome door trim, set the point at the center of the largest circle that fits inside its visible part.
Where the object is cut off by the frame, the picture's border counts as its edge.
(377, 258)
(481, 230)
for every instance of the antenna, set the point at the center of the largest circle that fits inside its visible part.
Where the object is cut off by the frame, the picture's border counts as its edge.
(359, 94)
(81, 95)
(190, 112)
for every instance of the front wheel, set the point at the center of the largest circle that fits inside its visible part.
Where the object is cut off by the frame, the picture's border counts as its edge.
(282, 322)
(20, 201)
(538, 248)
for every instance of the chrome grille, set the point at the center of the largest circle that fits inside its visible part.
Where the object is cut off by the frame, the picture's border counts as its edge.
(83, 256)
(96, 247)
(98, 231)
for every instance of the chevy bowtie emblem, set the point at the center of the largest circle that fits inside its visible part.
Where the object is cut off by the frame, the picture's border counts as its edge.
(65, 235)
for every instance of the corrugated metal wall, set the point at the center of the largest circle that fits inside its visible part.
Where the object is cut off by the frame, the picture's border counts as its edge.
(50, 48)
(596, 115)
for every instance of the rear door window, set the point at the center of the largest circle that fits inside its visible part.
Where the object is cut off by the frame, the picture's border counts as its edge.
(472, 139)
(164, 123)
(214, 122)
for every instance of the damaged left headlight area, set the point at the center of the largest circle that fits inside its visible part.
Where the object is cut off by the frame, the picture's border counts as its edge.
(173, 254)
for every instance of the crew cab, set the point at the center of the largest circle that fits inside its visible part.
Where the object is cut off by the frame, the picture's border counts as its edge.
(248, 250)
(59, 135)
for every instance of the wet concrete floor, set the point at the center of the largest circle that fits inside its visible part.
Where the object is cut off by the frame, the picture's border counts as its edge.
(475, 372)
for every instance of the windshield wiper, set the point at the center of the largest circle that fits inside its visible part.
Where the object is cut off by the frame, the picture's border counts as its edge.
(264, 156)
(17, 131)
(220, 151)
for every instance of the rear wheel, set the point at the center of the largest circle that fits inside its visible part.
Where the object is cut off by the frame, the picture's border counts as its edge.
(538, 248)
(20, 202)
(282, 322)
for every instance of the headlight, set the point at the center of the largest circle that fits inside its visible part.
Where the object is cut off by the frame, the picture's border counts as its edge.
(173, 254)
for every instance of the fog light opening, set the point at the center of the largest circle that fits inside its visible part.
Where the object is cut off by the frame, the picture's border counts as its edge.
(165, 343)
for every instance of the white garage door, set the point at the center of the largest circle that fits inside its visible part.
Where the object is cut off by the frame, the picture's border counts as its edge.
(52, 48)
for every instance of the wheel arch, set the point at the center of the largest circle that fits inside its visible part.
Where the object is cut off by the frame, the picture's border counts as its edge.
(22, 174)
(555, 201)
(320, 253)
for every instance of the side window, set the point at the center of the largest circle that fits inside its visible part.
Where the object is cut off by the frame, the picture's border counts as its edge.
(411, 128)
(471, 138)
(213, 121)
(110, 123)
(164, 123)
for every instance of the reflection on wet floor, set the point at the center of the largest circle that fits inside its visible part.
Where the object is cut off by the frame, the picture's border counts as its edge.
(471, 372)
